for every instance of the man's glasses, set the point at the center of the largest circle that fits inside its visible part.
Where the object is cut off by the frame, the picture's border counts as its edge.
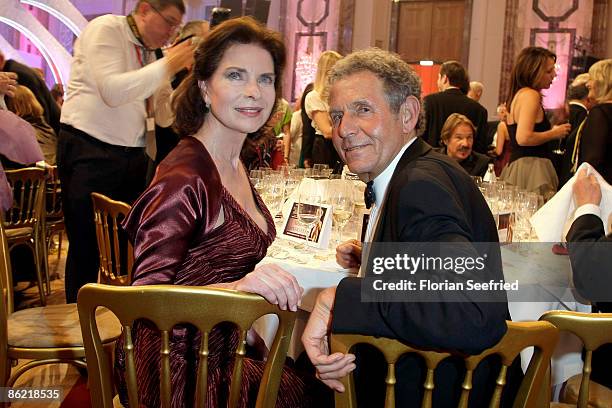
(172, 24)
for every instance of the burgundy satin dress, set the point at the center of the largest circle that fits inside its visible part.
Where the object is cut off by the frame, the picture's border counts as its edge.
(172, 226)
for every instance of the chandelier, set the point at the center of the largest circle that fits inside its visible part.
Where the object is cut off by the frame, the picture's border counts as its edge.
(306, 68)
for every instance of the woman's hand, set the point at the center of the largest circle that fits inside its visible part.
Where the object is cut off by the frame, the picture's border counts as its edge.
(562, 130)
(275, 284)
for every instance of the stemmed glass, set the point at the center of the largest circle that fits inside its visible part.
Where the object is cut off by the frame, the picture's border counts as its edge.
(308, 207)
(272, 194)
(343, 204)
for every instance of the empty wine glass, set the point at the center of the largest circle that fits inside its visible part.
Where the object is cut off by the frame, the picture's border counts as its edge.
(343, 204)
(308, 207)
(273, 194)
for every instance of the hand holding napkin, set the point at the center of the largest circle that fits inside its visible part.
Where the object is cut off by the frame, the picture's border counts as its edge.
(553, 220)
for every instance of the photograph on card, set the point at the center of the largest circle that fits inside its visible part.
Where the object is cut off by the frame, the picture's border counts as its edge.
(306, 222)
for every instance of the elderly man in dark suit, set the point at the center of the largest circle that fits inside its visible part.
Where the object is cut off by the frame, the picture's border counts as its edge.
(420, 196)
(590, 251)
(453, 83)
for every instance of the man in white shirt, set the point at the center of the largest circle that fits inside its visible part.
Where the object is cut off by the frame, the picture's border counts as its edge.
(116, 94)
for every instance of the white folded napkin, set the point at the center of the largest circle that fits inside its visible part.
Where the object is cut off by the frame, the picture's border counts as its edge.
(553, 220)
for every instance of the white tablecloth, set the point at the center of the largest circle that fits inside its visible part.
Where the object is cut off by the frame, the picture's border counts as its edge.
(316, 271)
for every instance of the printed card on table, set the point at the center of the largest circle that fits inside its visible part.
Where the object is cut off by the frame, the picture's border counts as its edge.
(312, 226)
(504, 229)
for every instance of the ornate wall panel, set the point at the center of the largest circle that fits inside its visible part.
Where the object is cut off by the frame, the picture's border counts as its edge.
(311, 27)
(345, 26)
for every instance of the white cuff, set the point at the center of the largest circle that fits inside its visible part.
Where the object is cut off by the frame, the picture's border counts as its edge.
(587, 209)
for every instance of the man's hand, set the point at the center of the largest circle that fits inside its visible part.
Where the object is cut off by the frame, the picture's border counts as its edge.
(348, 254)
(8, 83)
(586, 189)
(179, 57)
(329, 367)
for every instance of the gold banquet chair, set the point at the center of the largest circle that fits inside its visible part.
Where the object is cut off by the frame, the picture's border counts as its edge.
(45, 335)
(54, 219)
(24, 220)
(594, 329)
(116, 253)
(519, 336)
(204, 308)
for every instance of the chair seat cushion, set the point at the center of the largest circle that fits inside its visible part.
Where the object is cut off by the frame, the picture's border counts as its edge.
(56, 326)
(599, 396)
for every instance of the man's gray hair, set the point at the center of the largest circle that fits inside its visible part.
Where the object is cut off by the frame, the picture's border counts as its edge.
(399, 80)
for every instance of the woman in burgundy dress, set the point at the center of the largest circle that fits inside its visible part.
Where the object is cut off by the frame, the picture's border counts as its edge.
(200, 222)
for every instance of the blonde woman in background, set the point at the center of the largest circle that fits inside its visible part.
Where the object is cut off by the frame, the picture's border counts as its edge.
(595, 143)
(25, 105)
(316, 107)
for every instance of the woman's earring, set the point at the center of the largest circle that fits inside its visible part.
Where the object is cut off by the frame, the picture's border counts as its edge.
(206, 107)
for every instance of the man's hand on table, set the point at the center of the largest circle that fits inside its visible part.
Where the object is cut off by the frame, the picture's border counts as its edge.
(348, 254)
(329, 367)
(275, 284)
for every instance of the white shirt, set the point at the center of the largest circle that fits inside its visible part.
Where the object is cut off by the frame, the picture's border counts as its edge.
(108, 85)
(587, 209)
(380, 190)
(312, 104)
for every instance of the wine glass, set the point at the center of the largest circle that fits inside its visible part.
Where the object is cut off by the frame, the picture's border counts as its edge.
(308, 206)
(343, 204)
(273, 194)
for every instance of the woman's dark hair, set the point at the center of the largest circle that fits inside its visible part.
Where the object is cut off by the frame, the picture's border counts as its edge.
(528, 69)
(188, 103)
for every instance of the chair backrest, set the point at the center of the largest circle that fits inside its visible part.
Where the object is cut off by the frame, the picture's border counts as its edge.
(116, 252)
(53, 194)
(6, 277)
(594, 329)
(204, 308)
(6, 303)
(28, 198)
(519, 336)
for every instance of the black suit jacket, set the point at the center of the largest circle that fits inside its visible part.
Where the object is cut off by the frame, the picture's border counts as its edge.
(429, 199)
(475, 164)
(439, 106)
(577, 114)
(28, 78)
(590, 252)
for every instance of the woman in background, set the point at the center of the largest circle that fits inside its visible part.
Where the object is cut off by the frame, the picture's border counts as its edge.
(316, 108)
(25, 105)
(201, 222)
(530, 167)
(502, 141)
(595, 143)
